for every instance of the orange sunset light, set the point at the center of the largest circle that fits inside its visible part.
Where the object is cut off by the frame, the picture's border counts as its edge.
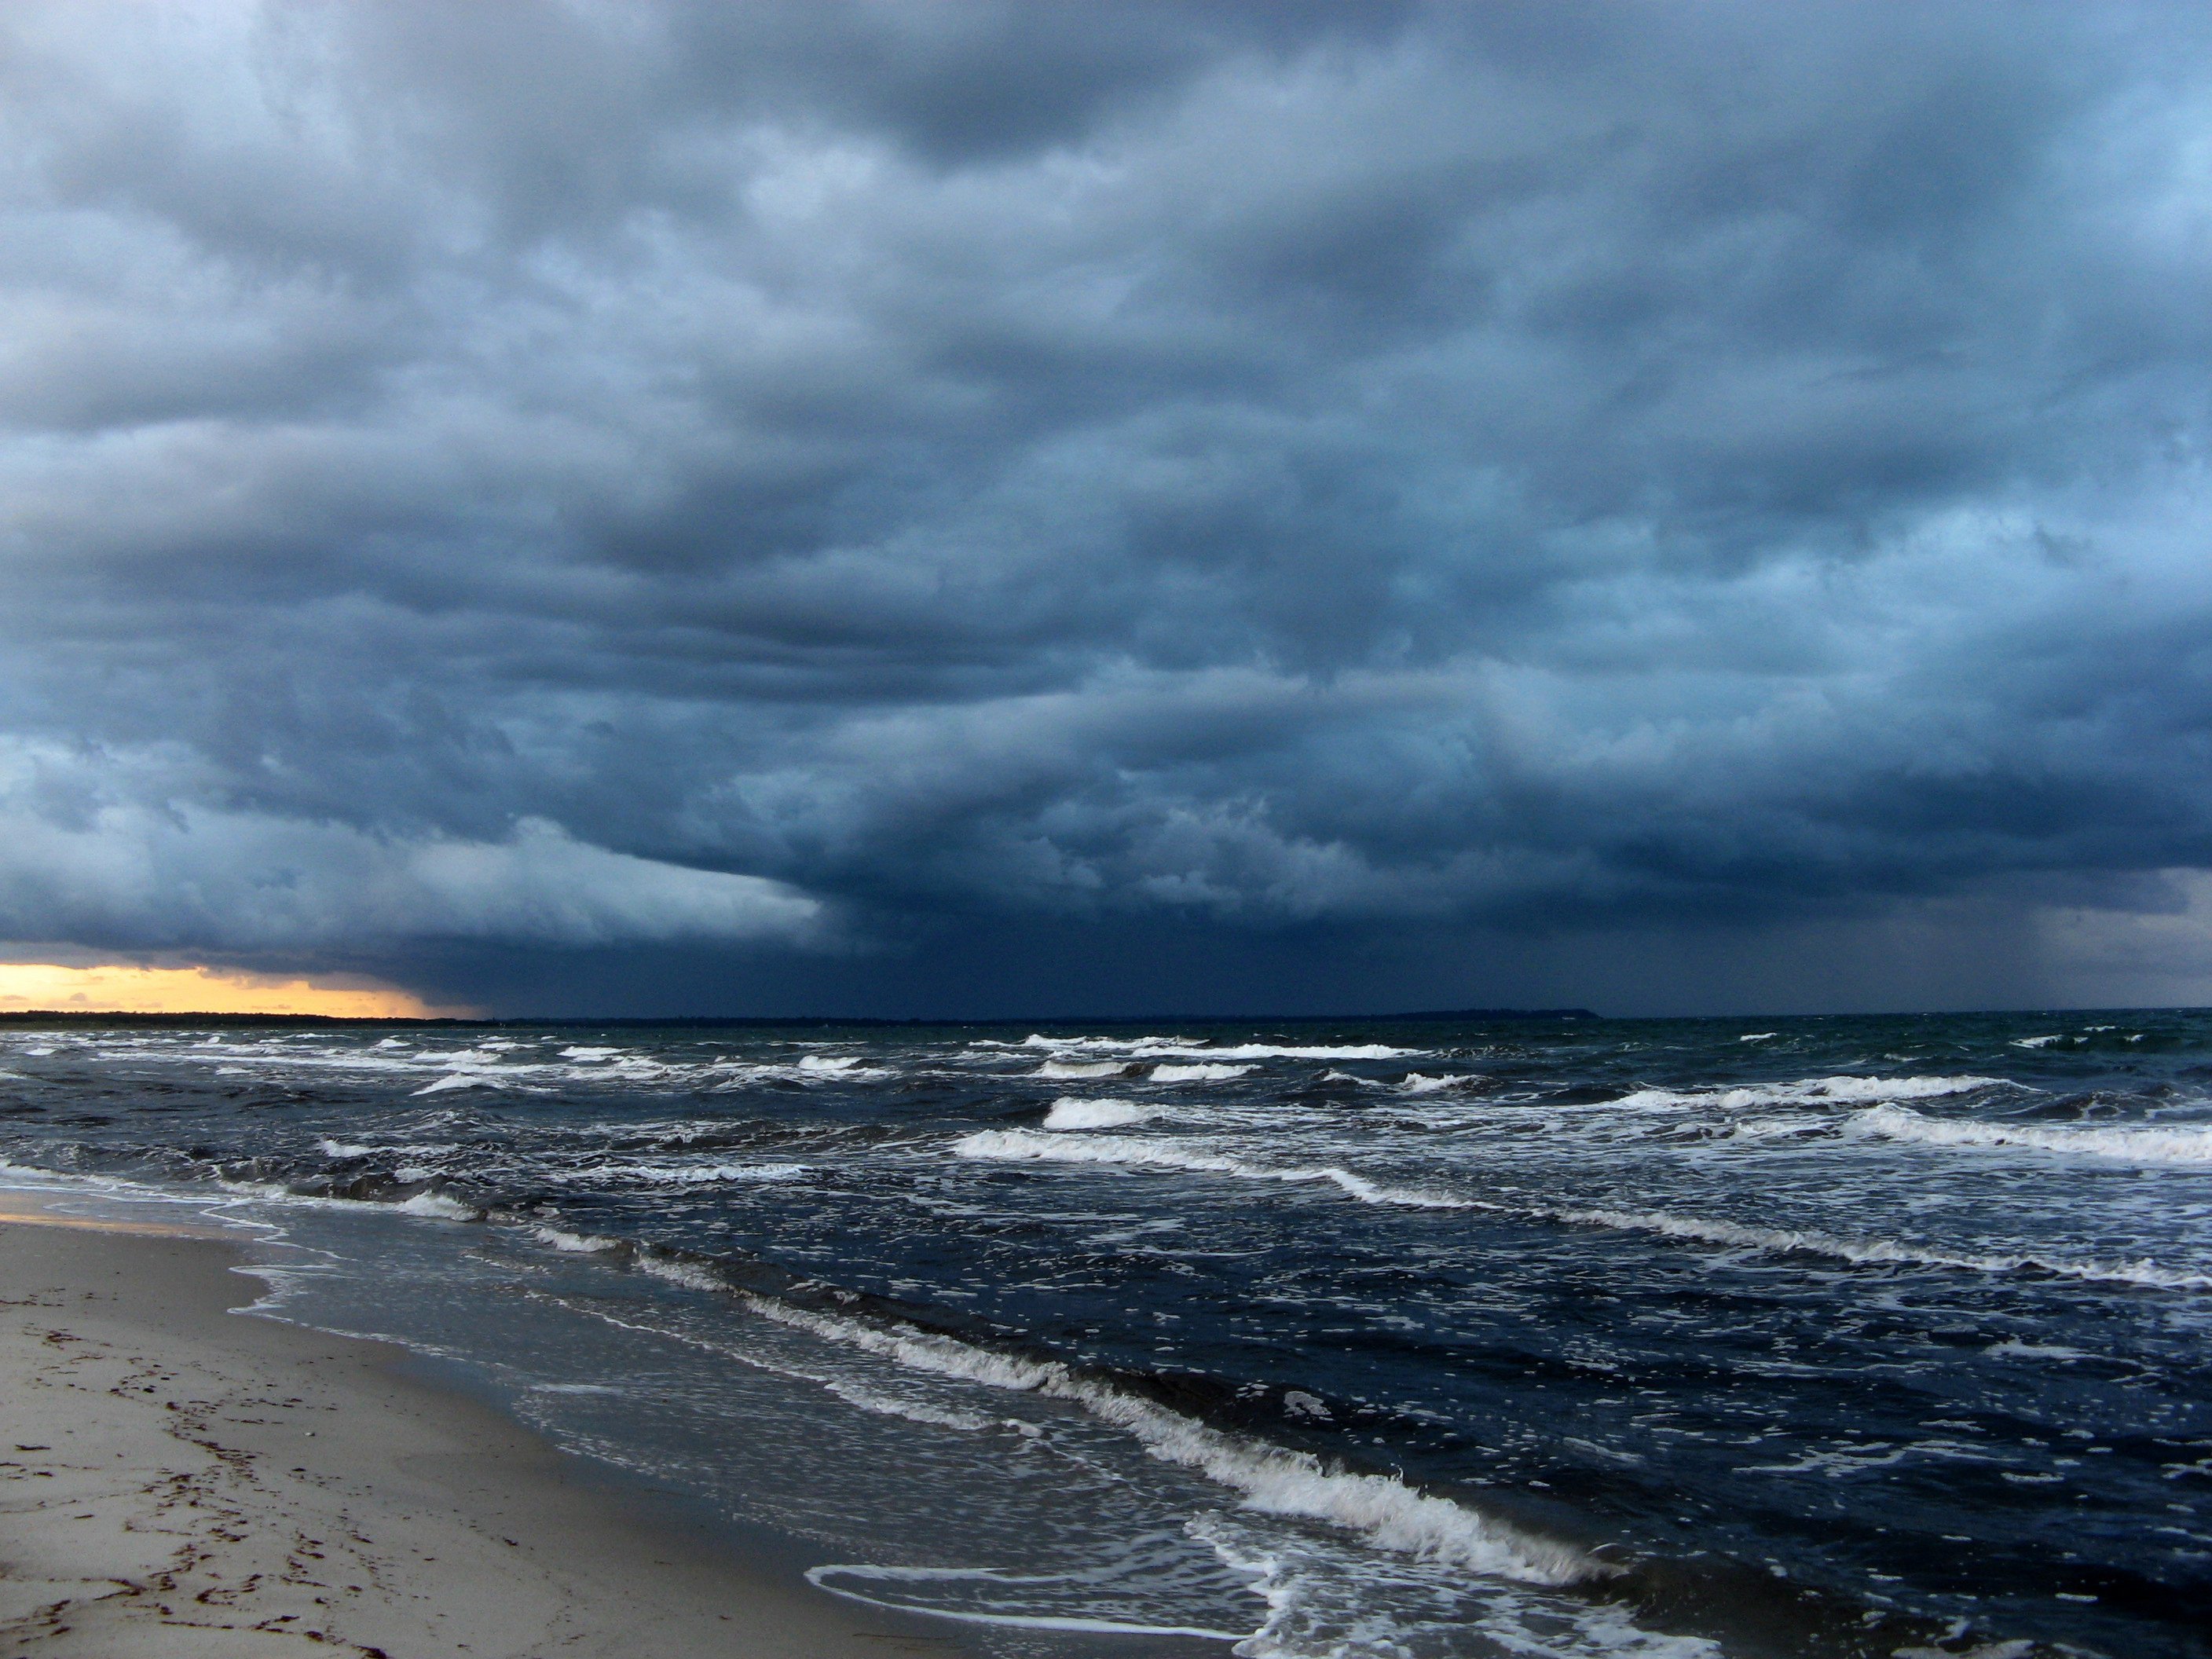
(114, 988)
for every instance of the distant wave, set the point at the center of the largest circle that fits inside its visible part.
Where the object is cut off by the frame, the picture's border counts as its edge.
(1148, 1152)
(1082, 1068)
(1068, 1112)
(2181, 1145)
(1416, 1083)
(1008, 1146)
(1806, 1091)
(676, 1174)
(1170, 1048)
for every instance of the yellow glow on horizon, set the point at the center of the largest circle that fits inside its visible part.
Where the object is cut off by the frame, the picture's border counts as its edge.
(116, 988)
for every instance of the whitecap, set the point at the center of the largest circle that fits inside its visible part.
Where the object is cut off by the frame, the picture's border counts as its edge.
(1150, 1047)
(2190, 1144)
(1198, 1073)
(574, 1243)
(1081, 1068)
(2013, 1348)
(1148, 1152)
(1416, 1084)
(460, 1080)
(1274, 1051)
(438, 1205)
(1015, 1145)
(1804, 1091)
(1069, 1113)
(680, 1175)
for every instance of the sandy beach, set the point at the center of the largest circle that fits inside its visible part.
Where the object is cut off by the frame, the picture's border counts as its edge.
(180, 1482)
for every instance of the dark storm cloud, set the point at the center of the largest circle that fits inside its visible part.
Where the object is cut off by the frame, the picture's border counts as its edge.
(887, 477)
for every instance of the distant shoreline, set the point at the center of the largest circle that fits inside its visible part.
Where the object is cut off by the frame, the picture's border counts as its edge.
(756, 1022)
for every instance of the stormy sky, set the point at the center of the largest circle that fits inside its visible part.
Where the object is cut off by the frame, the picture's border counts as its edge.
(973, 508)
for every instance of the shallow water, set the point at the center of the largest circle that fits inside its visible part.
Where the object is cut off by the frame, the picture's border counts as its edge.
(1838, 1336)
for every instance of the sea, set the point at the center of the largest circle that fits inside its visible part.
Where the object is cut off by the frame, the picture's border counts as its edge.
(1557, 1336)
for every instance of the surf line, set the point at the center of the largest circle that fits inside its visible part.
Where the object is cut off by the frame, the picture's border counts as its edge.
(1016, 1145)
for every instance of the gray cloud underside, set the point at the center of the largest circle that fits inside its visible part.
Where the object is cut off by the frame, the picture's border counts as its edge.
(1267, 465)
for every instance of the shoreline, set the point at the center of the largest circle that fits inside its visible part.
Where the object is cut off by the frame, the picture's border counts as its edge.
(176, 1482)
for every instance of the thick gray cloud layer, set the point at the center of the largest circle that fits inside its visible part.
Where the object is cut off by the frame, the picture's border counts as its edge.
(1718, 484)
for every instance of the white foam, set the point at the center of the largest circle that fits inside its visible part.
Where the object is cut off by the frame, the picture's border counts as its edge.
(690, 1174)
(1201, 1071)
(689, 1274)
(915, 1411)
(1876, 1251)
(2013, 1348)
(2036, 1042)
(574, 1243)
(1069, 1113)
(1016, 1145)
(1271, 1480)
(1038, 1040)
(438, 1205)
(1759, 1037)
(1082, 1068)
(2190, 1144)
(588, 1052)
(460, 1080)
(827, 1577)
(1805, 1092)
(1271, 1051)
(1172, 1049)
(1147, 1153)
(1416, 1084)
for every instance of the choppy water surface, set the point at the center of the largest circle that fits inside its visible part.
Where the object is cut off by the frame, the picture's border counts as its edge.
(1848, 1336)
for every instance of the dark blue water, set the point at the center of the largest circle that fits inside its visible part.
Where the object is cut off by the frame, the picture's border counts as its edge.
(1850, 1336)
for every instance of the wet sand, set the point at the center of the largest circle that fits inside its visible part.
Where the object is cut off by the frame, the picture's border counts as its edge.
(177, 1482)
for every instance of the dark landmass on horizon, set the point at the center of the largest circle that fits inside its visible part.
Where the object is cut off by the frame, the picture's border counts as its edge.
(57, 1017)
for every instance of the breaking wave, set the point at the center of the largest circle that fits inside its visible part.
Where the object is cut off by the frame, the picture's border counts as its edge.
(1069, 1113)
(1272, 1479)
(1145, 1152)
(1806, 1091)
(2181, 1145)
